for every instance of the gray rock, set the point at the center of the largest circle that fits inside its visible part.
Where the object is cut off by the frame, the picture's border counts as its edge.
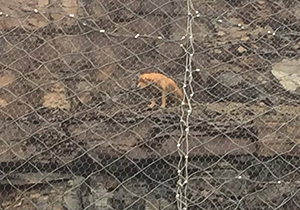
(288, 73)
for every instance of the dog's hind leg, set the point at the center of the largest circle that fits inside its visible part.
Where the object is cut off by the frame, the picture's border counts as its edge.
(163, 99)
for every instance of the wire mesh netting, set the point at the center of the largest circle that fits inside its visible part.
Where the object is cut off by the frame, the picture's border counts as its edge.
(149, 104)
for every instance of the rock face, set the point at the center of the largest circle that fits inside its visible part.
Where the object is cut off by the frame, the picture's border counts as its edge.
(39, 12)
(288, 73)
(228, 86)
(76, 133)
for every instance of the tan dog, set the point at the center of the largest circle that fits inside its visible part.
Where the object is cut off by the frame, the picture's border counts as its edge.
(163, 83)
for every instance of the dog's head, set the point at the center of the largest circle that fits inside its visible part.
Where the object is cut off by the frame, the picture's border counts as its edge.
(142, 83)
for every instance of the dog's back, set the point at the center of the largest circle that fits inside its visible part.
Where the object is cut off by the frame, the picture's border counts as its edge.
(153, 77)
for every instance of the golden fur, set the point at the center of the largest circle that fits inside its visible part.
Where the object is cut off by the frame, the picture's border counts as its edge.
(162, 82)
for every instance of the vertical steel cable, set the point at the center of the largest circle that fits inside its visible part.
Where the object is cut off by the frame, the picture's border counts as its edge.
(183, 143)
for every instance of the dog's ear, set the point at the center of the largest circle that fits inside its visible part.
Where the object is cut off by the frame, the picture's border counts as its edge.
(138, 77)
(141, 79)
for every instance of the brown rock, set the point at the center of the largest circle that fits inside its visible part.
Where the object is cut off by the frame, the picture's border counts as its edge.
(57, 98)
(35, 21)
(2, 102)
(221, 33)
(21, 8)
(70, 6)
(231, 29)
(245, 38)
(43, 3)
(241, 49)
(6, 79)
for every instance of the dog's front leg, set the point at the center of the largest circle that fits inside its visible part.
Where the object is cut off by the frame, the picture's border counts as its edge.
(163, 99)
(152, 103)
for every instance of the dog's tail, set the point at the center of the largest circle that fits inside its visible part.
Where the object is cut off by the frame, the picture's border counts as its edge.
(178, 93)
